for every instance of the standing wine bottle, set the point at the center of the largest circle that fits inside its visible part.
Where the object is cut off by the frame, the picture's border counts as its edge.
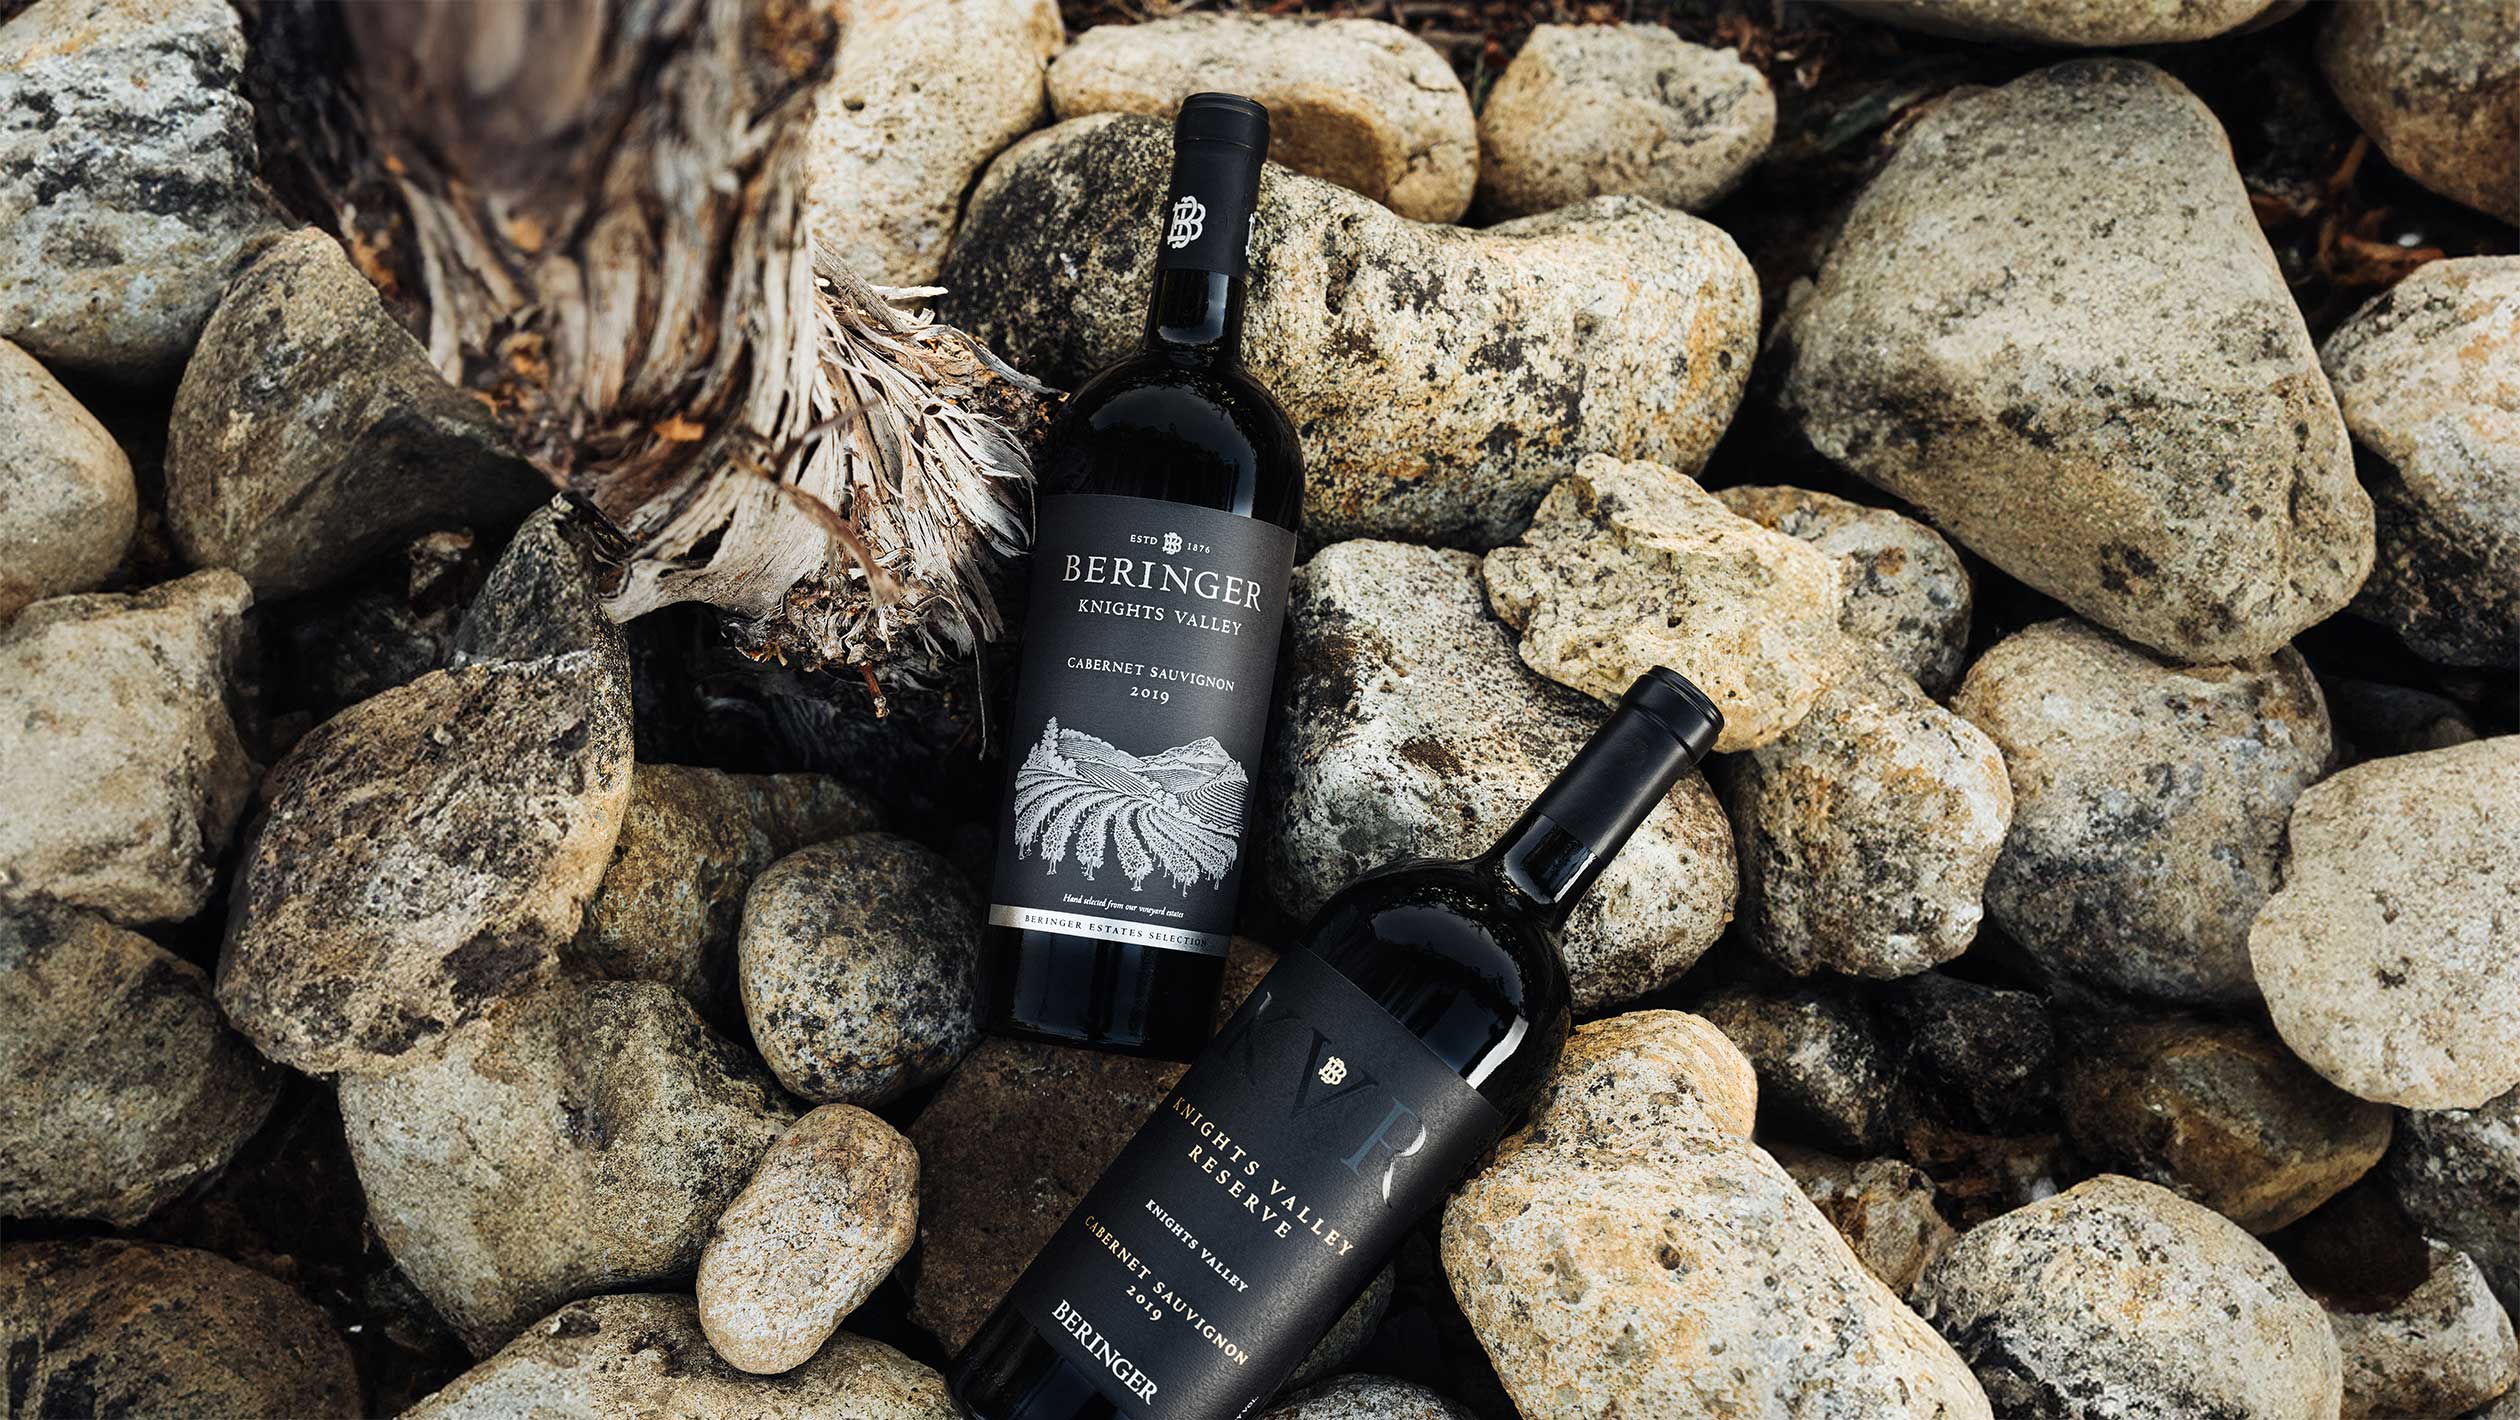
(1165, 537)
(1416, 1020)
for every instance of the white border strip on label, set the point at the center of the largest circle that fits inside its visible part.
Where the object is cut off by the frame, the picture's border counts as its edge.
(1071, 924)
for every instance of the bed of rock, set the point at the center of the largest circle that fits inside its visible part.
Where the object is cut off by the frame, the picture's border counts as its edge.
(2078, 441)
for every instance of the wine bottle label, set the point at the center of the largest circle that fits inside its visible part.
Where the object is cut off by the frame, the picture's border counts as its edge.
(1264, 1193)
(1149, 653)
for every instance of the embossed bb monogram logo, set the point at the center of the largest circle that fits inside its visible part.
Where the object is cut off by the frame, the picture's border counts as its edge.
(1189, 219)
(1172, 543)
(1333, 1071)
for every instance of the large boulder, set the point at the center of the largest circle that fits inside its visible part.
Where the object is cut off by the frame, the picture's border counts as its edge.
(2168, 461)
(1441, 379)
(2094, 23)
(1627, 566)
(1908, 596)
(2428, 375)
(311, 433)
(2149, 804)
(2458, 1173)
(1411, 729)
(2116, 1299)
(1594, 110)
(2436, 83)
(1361, 103)
(2387, 959)
(120, 1083)
(424, 854)
(124, 770)
(106, 1328)
(67, 504)
(644, 1355)
(126, 178)
(579, 1139)
(921, 96)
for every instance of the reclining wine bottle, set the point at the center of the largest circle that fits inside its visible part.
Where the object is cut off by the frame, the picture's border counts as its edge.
(1416, 1019)
(1164, 539)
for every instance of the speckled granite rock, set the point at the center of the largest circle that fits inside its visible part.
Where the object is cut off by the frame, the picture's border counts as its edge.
(126, 178)
(1360, 103)
(1908, 596)
(1628, 566)
(2387, 959)
(859, 962)
(2149, 803)
(120, 1083)
(1410, 728)
(1633, 1078)
(311, 433)
(1592, 110)
(1824, 1067)
(2428, 375)
(541, 599)
(2168, 463)
(105, 1328)
(114, 715)
(2443, 1349)
(1441, 379)
(424, 854)
(834, 1204)
(67, 505)
(2097, 23)
(921, 95)
(1867, 832)
(643, 1355)
(1884, 1208)
(1367, 1398)
(2221, 1114)
(2437, 86)
(692, 840)
(2116, 1299)
(580, 1138)
(2458, 1173)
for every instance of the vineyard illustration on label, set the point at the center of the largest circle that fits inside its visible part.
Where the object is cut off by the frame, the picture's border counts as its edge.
(1178, 812)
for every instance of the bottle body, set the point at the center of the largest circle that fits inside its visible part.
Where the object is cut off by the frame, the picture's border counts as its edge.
(1168, 499)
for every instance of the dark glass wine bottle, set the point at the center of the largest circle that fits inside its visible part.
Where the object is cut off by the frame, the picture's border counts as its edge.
(1164, 541)
(1413, 1023)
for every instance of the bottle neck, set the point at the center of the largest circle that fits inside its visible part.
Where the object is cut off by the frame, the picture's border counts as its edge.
(1196, 315)
(1561, 844)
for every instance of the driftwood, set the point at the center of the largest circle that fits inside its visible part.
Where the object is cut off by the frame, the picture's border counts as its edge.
(593, 213)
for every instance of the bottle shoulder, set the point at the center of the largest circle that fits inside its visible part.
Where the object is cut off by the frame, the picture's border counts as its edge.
(1212, 423)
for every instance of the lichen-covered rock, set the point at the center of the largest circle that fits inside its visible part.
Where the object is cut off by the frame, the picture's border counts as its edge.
(1595, 110)
(1410, 729)
(2093, 23)
(1367, 1398)
(2388, 959)
(311, 433)
(2219, 1113)
(2428, 376)
(1980, 1058)
(424, 854)
(1866, 833)
(834, 1204)
(1884, 1208)
(1360, 103)
(2149, 803)
(921, 96)
(859, 962)
(2458, 1173)
(1907, 592)
(2168, 462)
(1628, 566)
(644, 1355)
(67, 504)
(120, 1083)
(579, 1138)
(114, 719)
(2116, 1299)
(2443, 1349)
(2436, 83)
(126, 178)
(1632, 1078)
(99, 1328)
(541, 599)
(1441, 379)
(1824, 1067)
(692, 840)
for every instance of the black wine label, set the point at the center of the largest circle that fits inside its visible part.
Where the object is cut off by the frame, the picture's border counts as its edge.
(1269, 1186)
(1148, 655)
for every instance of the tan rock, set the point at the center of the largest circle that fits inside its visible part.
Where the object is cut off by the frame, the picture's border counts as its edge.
(2445, 1348)
(2436, 83)
(2098, 23)
(67, 505)
(1908, 596)
(1367, 1398)
(1628, 1081)
(1884, 1208)
(1593, 110)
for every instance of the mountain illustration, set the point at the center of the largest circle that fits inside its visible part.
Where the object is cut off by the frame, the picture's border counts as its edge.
(1178, 811)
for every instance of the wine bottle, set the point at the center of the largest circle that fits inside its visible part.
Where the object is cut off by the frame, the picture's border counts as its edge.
(1164, 542)
(1415, 1020)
